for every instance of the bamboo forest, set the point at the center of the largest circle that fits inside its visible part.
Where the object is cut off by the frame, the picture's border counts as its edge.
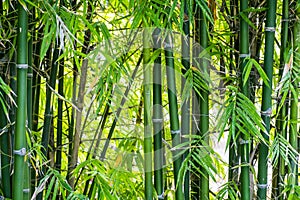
(149, 99)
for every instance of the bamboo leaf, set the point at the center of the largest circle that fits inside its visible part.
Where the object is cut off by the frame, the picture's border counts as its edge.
(261, 72)
(49, 188)
(49, 33)
(62, 180)
(55, 190)
(246, 71)
(205, 9)
(245, 17)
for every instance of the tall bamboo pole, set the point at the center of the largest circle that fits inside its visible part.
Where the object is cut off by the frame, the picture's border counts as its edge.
(195, 181)
(185, 109)
(79, 102)
(293, 130)
(147, 113)
(5, 153)
(157, 116)
(73, 110)
(266, 108)
(5, 143)
(204, 103)
(60, 115)
(61, 69)
(245, 140)
(48, 107)
(27, 170)
(20, 134)
(233, 171)
(279, 169)
(173, 112)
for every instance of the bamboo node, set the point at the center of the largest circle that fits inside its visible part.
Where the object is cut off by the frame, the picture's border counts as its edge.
(161, 196)
(157, 120)
(26, 190)
(22, 66)
(244, 55)
(175, 132)
(262, 186)
(270, 29)
(267, 112)
(29, 75)
(20, 152)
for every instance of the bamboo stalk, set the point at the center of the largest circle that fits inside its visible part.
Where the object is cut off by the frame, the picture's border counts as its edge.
(173, 112)
(20, 133)
(75, 139)
(147, 113)
(5, 153)
(293, 129)
(185, 109)
(80, 101)
(266, 108)
(244, 145)
(233, 172)
(204, 103)
(71, 121)
(157, 117)
(60, 115)
(279, 168)
(48, 107)
(195, 180)
(59, 133)
(27, 169)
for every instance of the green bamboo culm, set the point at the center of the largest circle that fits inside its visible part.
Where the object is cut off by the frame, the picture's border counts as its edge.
(245, 140)
(279, 168)
(233, 171)
(27, 170)
(48, 106)
(173, 112)
(266, 108)
(20, 133)
(157, 116)
(48, 112)
(195, 178)
(60, 116)
(5, 153)
(204, 102)
(60, 109)
(293, 131)
(185, 109)
(147, 113)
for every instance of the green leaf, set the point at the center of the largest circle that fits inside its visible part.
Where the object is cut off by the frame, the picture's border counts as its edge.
(49, 188)
(247, 70)
(245, 17)
(261, 72)
(205, 9)
(49, 35)
(62, 180)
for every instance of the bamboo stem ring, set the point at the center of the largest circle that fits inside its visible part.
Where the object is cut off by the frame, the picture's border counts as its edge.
(262, 186)
(22, 66)
(20, 152)
(270, 29)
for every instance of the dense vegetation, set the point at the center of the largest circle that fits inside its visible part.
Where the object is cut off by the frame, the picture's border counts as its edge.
(149, 99)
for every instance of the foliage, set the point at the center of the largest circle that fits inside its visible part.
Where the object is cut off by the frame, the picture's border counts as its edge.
(222, 90)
